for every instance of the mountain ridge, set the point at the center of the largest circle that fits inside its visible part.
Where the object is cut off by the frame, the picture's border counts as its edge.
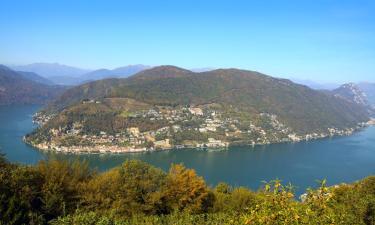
(120, 72)
(369, 89)
(51, 69)
(68, 75)
(16, 89)
(35, 77)
(354, 93)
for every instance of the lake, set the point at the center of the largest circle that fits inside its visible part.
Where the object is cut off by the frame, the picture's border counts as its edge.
(339, 159)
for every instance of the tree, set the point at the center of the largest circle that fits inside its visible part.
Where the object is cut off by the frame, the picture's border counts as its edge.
(187, 191)
(62, 185)
(135, 187)
(20, 195)
(140, 186)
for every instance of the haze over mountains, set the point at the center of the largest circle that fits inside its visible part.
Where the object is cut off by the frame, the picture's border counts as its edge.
(54, 73)
(316, 85)
(68, 75)
(121, 72)
(25, 88)
(369, 90)
(49, 70)
(35, 77)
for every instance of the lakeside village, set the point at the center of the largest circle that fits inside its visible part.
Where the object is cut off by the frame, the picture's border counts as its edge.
(211, 130)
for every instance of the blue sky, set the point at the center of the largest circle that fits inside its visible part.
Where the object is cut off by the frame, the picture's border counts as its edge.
(321, 40)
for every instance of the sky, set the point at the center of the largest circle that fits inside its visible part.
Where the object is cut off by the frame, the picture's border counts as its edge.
(320, 40)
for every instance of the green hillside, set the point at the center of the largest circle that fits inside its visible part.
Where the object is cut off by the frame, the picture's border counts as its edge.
(301, 107)
(229, 105)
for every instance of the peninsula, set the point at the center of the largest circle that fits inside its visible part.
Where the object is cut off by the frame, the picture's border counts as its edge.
(169, 107)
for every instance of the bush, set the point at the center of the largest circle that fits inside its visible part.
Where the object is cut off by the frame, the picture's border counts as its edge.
(186, 191)
(61, 192)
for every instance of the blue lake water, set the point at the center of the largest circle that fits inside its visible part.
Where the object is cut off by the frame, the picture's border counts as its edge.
(340, 159)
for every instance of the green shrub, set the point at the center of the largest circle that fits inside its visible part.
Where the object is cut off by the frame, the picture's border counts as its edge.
(61, 192)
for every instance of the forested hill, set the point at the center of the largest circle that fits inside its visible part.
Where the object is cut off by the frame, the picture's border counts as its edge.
(16, 88)
(298, 106)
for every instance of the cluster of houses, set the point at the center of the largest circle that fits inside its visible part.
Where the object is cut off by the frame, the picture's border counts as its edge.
(41, 118)
(330, 133)
(371, 122)
(208, 121)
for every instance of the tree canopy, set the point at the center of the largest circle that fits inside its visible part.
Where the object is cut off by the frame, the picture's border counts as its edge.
(64, 192)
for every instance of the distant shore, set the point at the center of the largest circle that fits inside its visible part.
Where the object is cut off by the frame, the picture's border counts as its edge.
(114, 149)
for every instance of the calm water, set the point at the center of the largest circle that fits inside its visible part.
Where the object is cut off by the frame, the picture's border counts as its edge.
(342, 159)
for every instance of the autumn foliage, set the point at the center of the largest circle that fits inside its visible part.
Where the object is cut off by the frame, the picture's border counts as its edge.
(61, 192)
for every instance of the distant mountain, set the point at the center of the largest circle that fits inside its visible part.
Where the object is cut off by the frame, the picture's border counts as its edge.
(316, 85)
(121, 72)
(51, 70)
(97, 74)
(35, 77)
(68, 75)
(354, 93)
(369, 90)
(16, 89)
(351, 92)
(66, 80)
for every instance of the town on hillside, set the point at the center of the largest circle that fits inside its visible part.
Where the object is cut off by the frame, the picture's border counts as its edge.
(181, 127)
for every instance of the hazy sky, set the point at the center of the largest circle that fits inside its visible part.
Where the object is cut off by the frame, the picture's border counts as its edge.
(322, 40)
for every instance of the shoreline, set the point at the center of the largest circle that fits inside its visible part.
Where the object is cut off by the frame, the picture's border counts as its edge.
(100, 149)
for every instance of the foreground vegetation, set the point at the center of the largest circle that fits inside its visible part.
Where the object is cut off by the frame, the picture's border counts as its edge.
(61, 192)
